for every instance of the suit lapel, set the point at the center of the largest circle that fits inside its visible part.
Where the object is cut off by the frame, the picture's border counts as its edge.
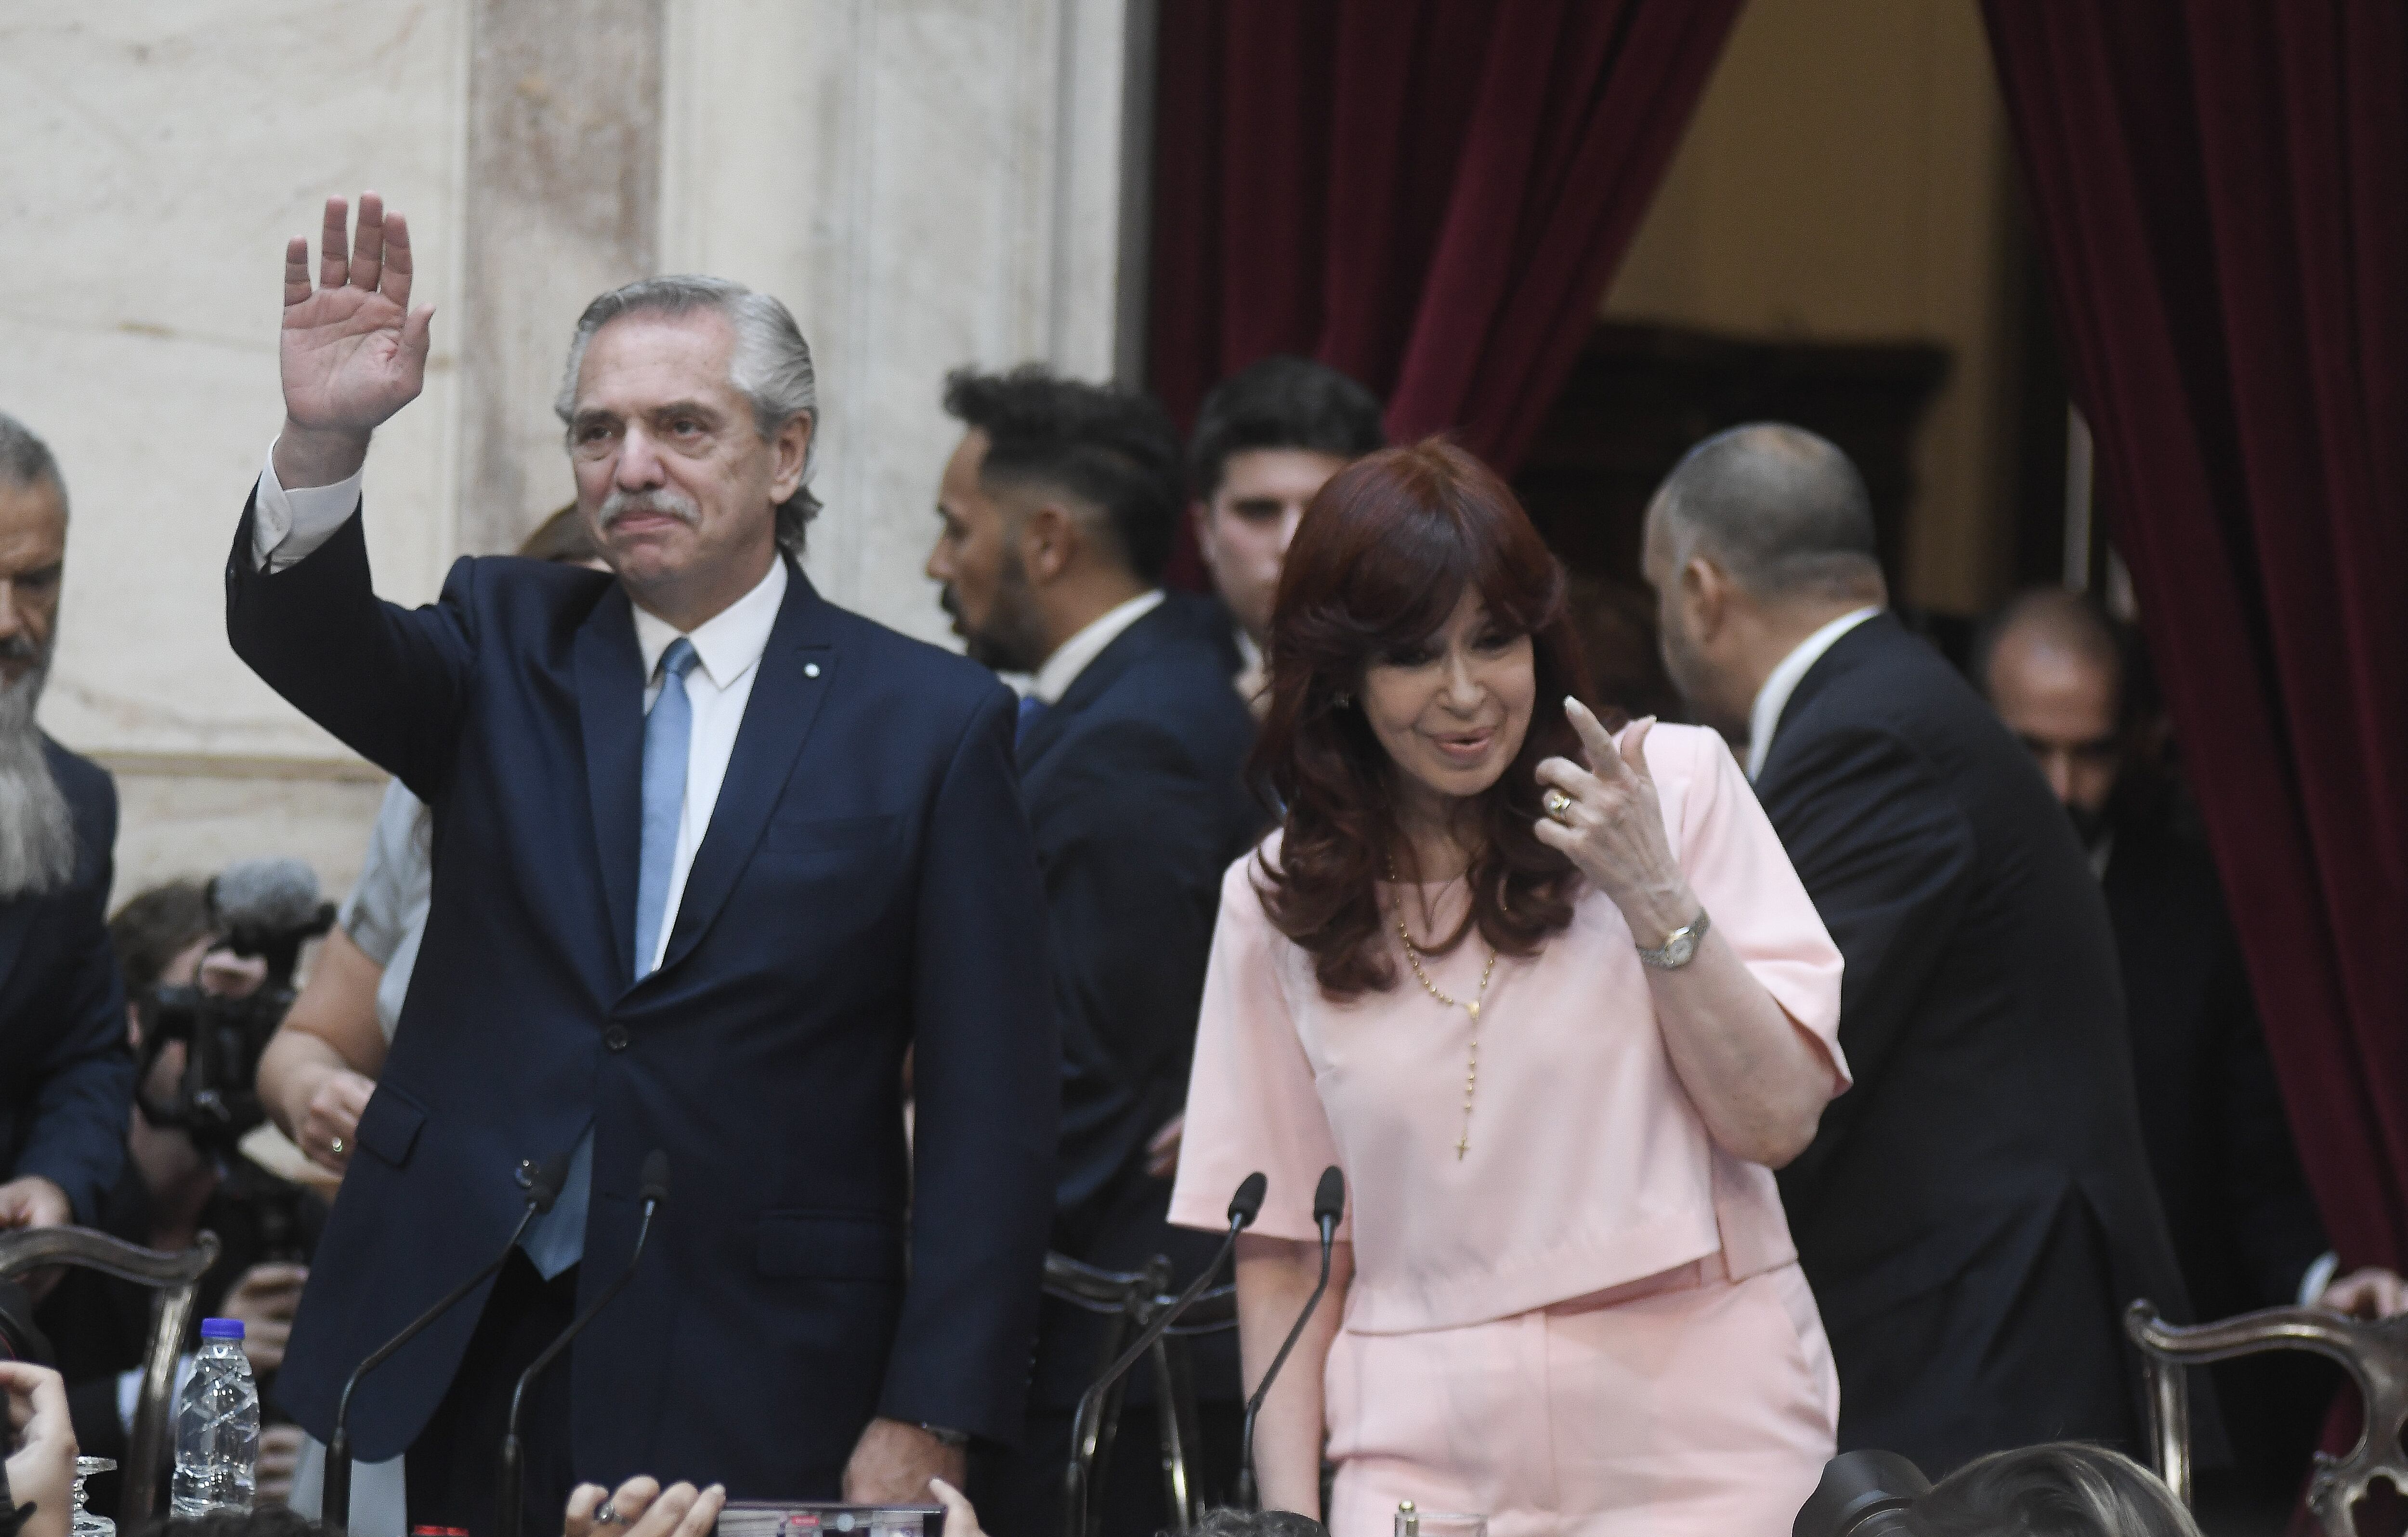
(610, 713)
(778, 717)
(1128, 648)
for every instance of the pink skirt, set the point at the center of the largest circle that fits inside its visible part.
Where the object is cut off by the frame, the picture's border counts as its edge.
(1682, 1404)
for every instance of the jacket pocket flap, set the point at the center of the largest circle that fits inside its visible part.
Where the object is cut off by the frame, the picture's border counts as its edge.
(389, 1126)
(829, 1246)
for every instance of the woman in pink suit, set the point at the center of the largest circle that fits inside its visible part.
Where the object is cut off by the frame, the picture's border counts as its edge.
(1556, 1003)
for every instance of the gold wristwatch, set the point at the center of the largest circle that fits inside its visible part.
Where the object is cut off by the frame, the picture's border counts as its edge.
(1679, 947)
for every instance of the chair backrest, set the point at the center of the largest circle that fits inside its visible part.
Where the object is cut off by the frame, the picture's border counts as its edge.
(1131, 1300)
(176, 1280)
(2374, 1351)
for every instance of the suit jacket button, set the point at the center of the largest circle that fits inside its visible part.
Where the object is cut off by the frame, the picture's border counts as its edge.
(615, 1038)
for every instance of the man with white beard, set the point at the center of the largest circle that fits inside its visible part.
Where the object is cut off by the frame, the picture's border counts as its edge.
(66, 1078)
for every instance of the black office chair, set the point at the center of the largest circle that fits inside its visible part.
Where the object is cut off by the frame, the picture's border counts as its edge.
(1129, 1302)
(175, 1279)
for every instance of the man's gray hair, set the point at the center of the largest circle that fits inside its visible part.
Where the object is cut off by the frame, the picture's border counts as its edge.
(25, 460)
(771, 366)
(1782, 510)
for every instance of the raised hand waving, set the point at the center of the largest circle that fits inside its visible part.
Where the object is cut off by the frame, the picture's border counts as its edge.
(353, 351)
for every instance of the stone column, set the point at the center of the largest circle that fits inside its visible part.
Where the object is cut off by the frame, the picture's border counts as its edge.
(562, 195)
(926, 183)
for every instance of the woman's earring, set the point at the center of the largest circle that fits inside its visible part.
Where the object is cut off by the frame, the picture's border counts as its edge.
(1341, 699)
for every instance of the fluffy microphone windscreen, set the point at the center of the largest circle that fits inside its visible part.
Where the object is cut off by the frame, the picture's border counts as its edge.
(271, 894)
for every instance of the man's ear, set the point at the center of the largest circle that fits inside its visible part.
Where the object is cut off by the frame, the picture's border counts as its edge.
(1048, 542)
(1706, 591)
(791, 449)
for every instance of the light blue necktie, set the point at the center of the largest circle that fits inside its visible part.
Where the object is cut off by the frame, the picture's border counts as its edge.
(557, 1238)
(666, 732)
(1031, 707)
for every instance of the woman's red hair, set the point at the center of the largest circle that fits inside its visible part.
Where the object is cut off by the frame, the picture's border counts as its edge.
(1380, 562)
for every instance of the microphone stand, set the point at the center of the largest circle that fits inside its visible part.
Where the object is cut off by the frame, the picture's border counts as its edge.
(511, 1472)
(1243, 1207)
(1329, 1205)
(335, 1500)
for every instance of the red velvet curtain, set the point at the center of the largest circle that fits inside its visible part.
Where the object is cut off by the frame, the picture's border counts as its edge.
(2222, 193)
(1430, 194)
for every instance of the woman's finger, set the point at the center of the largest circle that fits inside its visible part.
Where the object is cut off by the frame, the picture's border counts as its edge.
(1634, 747)
(1596, 742)
(1567, 776)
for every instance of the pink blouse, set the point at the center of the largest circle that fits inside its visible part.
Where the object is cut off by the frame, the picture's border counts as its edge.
(1588, 1166)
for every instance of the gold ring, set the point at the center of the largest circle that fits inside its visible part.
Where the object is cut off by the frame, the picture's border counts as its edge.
(1558, 805)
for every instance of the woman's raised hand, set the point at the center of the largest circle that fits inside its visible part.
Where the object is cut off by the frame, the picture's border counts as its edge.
(1613, 827)
(353, 351)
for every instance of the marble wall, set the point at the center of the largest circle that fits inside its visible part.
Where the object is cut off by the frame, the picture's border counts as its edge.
(925, 182)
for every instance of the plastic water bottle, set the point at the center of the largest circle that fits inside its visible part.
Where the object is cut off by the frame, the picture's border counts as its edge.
(217, 1425)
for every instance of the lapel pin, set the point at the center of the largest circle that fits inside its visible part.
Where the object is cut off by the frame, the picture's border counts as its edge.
(810, 670)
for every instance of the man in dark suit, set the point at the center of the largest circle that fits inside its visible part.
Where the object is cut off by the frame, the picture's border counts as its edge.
(1976, 1212)
(709, 855)
(2245, 1228)
(1058, 511)
(67, 1077)
(1267, 440)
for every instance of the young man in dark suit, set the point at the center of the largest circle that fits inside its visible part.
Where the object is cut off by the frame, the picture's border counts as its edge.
(1267, 440)
(2245, 1228)
(711, 854)
(1976, 1212)
(67, 1077)
(1058, 511)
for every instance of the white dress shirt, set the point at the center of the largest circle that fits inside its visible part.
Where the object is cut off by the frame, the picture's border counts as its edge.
(1070, 658)
(1764, 718)
(288, 525)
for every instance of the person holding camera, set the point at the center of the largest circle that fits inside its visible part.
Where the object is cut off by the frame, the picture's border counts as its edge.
(176, 1185)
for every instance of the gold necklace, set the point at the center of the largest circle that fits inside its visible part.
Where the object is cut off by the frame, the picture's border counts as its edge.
(1471, 1066)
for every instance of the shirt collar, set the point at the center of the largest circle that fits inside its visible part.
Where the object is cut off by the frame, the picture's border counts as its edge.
(729, 642)
(1250, 655)
(1070, 658)
(1773, 697)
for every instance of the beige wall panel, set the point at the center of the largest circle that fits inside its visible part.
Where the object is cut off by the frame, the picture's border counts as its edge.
(926, 183)
(1846, 179)
(564, 178)
(158, 157)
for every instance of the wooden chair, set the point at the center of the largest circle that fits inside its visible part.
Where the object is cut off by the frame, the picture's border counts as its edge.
(1129, 1302)
(175, 1279)
(2374, 1354)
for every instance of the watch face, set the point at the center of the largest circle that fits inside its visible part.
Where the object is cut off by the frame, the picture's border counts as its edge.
(1680, 948)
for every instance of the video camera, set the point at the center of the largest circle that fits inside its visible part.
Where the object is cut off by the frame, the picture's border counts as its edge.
(268, 909)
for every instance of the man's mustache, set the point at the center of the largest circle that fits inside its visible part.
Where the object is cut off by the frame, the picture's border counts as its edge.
(668, 504)
(21, 647)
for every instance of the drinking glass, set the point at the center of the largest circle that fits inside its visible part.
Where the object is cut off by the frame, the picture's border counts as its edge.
(86, 1523)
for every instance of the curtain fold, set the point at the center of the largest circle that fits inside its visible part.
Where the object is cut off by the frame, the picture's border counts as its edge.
(1430, 194)
(2221, 189)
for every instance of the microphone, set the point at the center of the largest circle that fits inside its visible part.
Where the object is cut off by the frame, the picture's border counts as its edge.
(652, 1189)
(543, 1183)
(1243, 1207)
(1329, 1205)
(270, 907)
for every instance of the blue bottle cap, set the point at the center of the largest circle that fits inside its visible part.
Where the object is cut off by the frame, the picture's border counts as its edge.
(220, 1329)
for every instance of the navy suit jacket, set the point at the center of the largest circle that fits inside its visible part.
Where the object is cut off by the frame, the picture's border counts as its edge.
(1133, 785)
(865, 884)
(67, 1074)
(1976, 1211)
